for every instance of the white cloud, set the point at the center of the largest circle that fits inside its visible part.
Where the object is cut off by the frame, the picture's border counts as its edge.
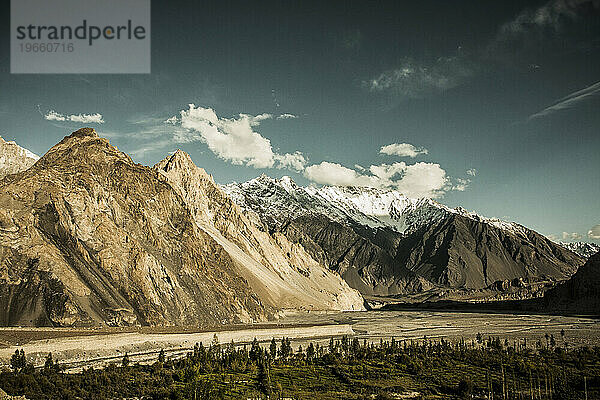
(402, 150)
(594, 233)
(551, 15)
(472, 172)
(412, 80)
(172, 120)
(569, 101)
(256, 120)
(571, 236)
(54, 116)
(287, 116)
(295, 161)
(461, 184)
(415, 180)
(422, 180)
(87, 118)
(328, 173)
(550, 27)
(234, 139)
(80, 118)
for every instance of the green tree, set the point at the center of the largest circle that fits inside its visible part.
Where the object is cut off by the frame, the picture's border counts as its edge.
(49, 363)
(125, 361)
(479, 338)
(255, 351)
(18, 361)
(310, 352)
(264, 376)
(273, 349)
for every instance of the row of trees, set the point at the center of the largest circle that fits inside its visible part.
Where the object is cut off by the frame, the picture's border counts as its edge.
(489, 367)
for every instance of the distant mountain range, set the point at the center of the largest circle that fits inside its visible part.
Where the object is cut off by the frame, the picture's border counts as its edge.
(386, 244)
(89, 237)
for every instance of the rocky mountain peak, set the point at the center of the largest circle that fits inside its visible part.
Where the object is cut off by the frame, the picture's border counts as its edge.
(83, 149)
(182, 162)
(14, 158)
(83, 132)
(80, 136)
(263, 179)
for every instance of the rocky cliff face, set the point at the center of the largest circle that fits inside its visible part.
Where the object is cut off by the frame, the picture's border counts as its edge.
(89, 237)
(282, 272)
(384, 243)
(14, 158)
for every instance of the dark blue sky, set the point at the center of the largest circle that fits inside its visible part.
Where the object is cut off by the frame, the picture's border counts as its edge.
(472, 82)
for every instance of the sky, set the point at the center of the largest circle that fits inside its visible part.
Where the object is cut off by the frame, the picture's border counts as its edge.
(491, 106)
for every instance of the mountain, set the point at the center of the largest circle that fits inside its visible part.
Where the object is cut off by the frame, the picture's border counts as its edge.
(14, 158)
(89, 237)
(283, 273)
(584, 249)
(580, 293)
(386, 244)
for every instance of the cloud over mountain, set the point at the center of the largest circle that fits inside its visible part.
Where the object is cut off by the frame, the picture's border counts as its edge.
(594, 232)
(414, 180)
(234, 139)
(95, 118)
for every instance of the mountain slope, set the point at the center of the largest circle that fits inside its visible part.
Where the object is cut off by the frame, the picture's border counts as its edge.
(384, 243)
(580, 293)
(281, 272)
(14, 158)
(89, 237)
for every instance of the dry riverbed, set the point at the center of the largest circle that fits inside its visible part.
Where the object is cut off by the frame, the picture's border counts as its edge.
(76, 348)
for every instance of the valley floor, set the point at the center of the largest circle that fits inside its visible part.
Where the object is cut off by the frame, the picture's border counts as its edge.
(76, 348)
(483, 368)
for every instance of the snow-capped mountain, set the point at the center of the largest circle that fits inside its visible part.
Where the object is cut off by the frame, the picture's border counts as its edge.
(282, 199)
(383, 242)
(584, 249)
(14, 158)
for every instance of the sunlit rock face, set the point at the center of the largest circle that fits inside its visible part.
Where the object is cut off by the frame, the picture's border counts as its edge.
(14, 158)
(89, 237)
